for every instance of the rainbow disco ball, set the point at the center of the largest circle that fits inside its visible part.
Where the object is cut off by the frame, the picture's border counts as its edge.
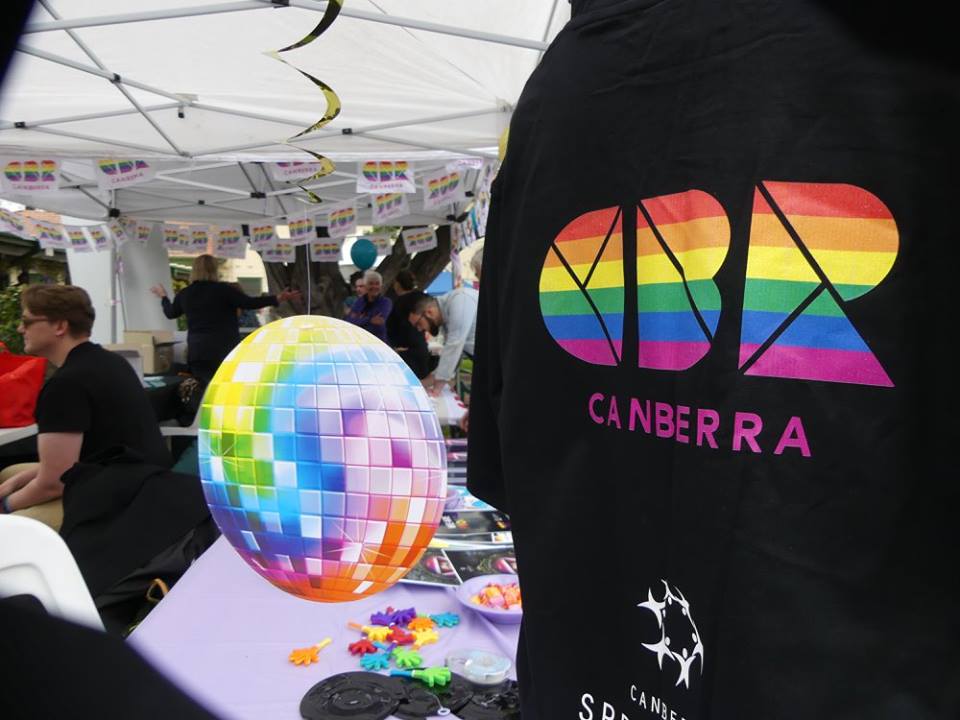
(322, 459)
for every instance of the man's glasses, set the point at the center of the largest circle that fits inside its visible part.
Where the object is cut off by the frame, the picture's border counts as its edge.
(28, 321)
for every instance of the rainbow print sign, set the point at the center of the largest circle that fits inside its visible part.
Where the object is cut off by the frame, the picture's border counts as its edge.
(342, 220)
(12, 223)
(388, 206)
(262, 236)
(230, 242)
(199, 238)
(112, 173)
(293, 171)
(98, 235)
(814, 247)
(281, 252)
(417, 239)
(30, 175)
(77, 238)
(302, 230)
(143, 231)
(49, 235)
(119, 234)
(171, 236)
(442, 188)
(326, 250)
(384, 176)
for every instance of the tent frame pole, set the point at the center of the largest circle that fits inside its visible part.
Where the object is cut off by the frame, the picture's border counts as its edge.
(30, 124)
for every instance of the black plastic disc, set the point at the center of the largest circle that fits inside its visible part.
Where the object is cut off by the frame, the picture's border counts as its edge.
(355, 695)
(423, 701)
(500, 702)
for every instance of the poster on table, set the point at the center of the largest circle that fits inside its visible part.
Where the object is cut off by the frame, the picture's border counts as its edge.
(326, 250)
(77, 238)
(113, 173)
(119, 235)
(99, 237)
(30, 174)
(49, 235)
(171, 237)
(12, 223)
(262, 236)
(282, 251)
(442, 188)
(383, 176)
(293, 171)
(230, 242)
(388, 206)
(302, 230)
(342, 220)
(417, 239)
(143, 231)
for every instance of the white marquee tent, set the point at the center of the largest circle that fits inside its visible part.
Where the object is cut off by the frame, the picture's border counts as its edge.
(188, 87)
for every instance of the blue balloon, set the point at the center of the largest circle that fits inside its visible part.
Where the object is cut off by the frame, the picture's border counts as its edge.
(363, 253)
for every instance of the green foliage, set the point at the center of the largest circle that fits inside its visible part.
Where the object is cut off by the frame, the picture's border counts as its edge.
(10, 319)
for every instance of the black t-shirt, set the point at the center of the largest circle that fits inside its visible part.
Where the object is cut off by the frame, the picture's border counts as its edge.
(713, 383)
(401, 334)
(213, 327)
(96, 392)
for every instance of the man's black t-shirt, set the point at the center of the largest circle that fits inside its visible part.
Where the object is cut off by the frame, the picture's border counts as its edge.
(713, 382)
(401, 334)
(97, 393)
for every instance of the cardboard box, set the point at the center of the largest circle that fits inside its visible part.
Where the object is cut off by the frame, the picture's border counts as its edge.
(155, 346)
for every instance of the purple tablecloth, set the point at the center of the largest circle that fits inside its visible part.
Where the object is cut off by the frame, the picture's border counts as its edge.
(223, 635)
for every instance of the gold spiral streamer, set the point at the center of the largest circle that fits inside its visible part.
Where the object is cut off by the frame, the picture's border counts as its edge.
(333, 101)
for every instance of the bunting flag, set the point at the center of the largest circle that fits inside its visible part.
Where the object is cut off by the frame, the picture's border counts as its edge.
(385, 176)
(294, 171)
(382, 242)
(199, 238)
(30, 174)
(262, 236)
(77, 238)
(469, 163)
(171, 237)
(129, 226)
(302, 230)
(230, 242)
(388, 206)
(12, 223)
(112, 173)
(417, 239)
(282, 251)
(342, 220)
(49, 235)
(442, 188)
(326, 250)
(120, 237)
(98, 236)
(143, 231)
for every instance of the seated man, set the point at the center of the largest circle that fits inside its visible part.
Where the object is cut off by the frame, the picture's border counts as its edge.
(456, 313)
(93, 402)
(372, 308)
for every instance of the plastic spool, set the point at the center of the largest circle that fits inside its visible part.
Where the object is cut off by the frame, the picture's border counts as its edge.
(479, 666)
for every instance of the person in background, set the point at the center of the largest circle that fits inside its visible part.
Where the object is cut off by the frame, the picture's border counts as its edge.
(211, 306)
(356, 290)
(476, 264)
(246, 317)
(93, 402)
(371, 309)
(404, 283)
(456, 314)
(404, 337)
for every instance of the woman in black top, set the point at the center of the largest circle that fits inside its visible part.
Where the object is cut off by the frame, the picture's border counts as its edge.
(211, 309)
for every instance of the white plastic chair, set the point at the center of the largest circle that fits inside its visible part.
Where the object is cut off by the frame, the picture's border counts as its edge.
(35, 560)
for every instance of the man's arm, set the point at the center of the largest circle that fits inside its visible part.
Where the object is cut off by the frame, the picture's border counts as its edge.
(458, 318)
(58, 453)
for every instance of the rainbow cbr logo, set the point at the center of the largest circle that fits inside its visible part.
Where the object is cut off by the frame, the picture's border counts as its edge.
(31, 171)
(386, 171)
(813, 249)
(343, 217)
(229, 236)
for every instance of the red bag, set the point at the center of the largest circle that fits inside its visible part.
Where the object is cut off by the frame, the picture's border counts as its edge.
(21, 377)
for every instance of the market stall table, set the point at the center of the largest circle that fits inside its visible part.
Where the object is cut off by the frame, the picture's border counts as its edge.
(223, 635)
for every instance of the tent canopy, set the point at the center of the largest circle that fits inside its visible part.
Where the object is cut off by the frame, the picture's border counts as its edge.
(189, 87)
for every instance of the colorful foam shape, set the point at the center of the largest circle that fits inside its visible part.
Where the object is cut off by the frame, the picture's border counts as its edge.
(321, 459)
